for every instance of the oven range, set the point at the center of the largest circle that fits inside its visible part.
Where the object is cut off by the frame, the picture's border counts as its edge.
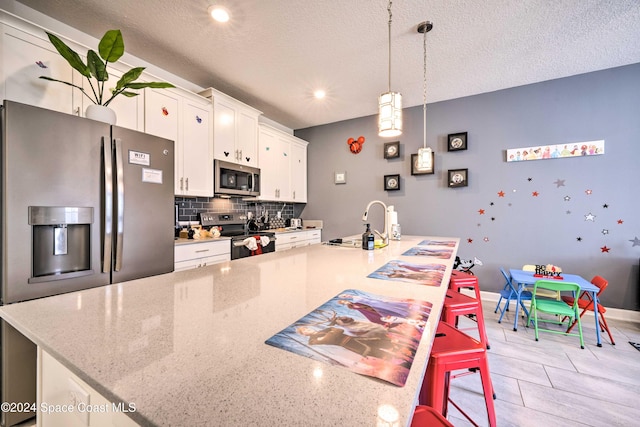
(244, 242)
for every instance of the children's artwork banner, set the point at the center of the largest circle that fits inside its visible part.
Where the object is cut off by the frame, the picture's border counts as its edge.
(369, 334)
(556, 151)
(420, 274)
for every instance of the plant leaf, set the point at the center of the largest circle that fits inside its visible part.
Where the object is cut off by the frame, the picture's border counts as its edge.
(97, 67)
(70, 55)
(111, 46)
(128, 77)
(129, 94)
(60, 81)
(155, 85)
(71, 84)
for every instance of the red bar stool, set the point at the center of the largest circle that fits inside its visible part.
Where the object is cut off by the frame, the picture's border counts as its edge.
(457, 304)
(454, 350)
(426, 416)
(460, 279)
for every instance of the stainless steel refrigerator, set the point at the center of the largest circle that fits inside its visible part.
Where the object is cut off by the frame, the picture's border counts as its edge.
(84, 204)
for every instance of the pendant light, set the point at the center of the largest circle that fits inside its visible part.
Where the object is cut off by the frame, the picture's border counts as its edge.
(425, 159)
(390, 103)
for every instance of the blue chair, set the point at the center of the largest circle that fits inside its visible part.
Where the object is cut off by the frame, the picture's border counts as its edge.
(508, 293)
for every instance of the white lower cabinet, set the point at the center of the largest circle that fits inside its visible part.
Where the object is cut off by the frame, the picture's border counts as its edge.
(314, 236)
(297, 239)
(64, 400)
(201, 254)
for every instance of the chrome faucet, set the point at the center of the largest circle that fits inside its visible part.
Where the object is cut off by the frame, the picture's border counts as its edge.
(384, 236)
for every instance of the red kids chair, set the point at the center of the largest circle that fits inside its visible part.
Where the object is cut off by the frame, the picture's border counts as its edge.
(585, 303)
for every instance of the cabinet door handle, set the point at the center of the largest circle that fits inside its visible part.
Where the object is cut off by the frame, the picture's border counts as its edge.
(294, 194)
(187, 186)
(181, 183)
(202, 250)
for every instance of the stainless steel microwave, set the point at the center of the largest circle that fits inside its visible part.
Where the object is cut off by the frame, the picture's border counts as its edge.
(233, 179)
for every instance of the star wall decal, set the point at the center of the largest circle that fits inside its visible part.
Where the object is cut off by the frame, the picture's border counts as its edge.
(567, 198)
(568, 212)
(501, 193)
(605, 206)
(486, 239)
(491, 204)
(579, 239)
(605, 231)
(509, 204)
(493, 218)
(469, 240)
(605, 249)
(636, 242)
(559, 183)
(529, 179)
(588, 192)
(535, 194)
(590, 217)
(481, 211)
(620, 221)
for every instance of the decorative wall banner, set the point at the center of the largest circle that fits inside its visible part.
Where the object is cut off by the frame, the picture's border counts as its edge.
(556, 151)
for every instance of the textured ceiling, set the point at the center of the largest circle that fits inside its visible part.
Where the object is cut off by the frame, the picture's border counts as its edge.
(273, 54)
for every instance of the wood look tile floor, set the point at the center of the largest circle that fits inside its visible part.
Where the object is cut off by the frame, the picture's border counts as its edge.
(552, 382)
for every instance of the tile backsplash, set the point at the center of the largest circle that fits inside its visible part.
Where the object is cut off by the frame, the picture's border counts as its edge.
(189, 207)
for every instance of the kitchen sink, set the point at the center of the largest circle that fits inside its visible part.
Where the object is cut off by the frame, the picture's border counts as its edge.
(345, 243)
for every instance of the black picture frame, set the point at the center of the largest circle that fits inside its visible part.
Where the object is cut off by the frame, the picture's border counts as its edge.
(458, 178)
(391, 150)
(414, 165)
(392, 182)
(457, 141)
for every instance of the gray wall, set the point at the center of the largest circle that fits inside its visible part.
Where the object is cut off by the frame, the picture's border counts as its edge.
(518, 228)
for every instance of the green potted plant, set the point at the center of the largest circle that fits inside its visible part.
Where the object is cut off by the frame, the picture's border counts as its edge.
(110, 49)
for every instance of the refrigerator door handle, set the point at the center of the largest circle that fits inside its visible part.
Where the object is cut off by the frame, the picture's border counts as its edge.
(120, 202)
(108, 204)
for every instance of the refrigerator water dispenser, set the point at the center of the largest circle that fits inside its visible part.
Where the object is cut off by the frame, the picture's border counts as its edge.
(61, 242)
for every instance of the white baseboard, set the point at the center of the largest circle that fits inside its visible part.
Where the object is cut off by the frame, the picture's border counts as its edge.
(612, 313)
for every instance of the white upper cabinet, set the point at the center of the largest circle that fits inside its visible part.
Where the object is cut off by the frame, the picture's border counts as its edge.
(185, 118)
(274, 161)
(197, 147)
(298, 170)
(235, 129)
(26, 57)
(282, 159)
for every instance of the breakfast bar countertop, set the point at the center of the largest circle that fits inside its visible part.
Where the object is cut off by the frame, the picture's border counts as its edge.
(188, 348)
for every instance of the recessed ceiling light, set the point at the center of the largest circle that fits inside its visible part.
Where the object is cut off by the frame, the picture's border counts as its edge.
(319, 94)
(219, 13)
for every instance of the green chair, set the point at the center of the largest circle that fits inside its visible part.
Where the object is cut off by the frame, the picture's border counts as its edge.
(559, 308)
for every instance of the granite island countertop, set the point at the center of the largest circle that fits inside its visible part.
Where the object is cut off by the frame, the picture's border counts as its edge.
(188, 348)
